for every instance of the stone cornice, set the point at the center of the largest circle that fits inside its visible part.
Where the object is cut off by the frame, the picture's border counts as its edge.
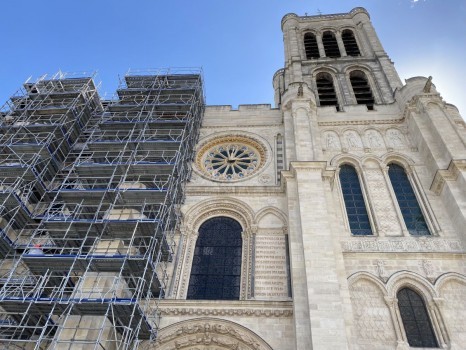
(239, 126)
(450, 174)
(249, 308)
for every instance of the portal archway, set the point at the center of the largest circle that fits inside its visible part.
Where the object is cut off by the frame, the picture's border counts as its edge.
(208, 334)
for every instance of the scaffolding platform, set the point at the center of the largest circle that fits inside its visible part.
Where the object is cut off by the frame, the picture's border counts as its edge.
(89, 191)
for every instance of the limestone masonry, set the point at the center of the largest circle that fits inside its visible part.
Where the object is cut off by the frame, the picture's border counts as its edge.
(334, 220)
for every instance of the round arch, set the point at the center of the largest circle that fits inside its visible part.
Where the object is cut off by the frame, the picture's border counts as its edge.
(209, 334)
(194, 218)
(210, 208)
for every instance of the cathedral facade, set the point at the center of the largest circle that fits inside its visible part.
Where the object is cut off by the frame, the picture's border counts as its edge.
(348, 197)
(333, 220)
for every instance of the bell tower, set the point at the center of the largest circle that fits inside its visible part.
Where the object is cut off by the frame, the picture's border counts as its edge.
(339, 58)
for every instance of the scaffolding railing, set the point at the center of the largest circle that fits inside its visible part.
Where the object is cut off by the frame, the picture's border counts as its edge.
(89, 193)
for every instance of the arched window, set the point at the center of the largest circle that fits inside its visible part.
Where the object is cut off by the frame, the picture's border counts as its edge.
(330, 45)
(310, 45)
(416, 321)
(326, 90)
(361, 88)
(351, 46)
(409, 206)
(216, 268)
(354, 201)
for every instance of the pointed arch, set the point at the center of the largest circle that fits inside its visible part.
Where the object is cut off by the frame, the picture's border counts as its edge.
(451, 288)
(415, 319)
(271, 211)
(412, 280)
(372, 317)
(447, 277)
(364, 275)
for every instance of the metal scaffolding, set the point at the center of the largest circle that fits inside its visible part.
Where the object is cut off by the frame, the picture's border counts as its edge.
(90, 191)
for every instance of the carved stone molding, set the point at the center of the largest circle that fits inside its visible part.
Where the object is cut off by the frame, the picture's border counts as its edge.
(251, 308)
(228, 207)
(408, 244)
(206, 333)
(362, 122)
(225, 312)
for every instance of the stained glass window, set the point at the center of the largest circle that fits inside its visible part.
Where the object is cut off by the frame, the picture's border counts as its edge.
(354, 201)
(415, 319)
(216, 268)
(409, 207)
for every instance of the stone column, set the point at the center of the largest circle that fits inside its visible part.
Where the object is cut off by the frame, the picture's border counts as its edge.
(318, 272)
(341, 45)
(320, 45)
(399, 330)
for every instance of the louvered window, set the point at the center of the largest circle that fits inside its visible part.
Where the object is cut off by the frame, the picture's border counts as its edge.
(351, 46)
(362, 90)
(330, 45)
(310, 46)
(326, 90)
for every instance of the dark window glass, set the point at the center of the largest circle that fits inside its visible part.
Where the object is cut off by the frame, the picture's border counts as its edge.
(310, 45)
(362, 90)
(351, 46)
(326, 90)
(216, 269)
(330, 45)
(354, 201)
(409, 207)
(415, 319)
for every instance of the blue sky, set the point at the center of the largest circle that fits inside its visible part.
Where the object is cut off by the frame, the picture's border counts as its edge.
(237, 43)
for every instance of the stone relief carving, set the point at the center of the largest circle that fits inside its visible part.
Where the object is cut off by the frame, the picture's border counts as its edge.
(396, 138)
(332, 141)
(353, 140)
(428, 268)
(381, 270)
(374, 139)
(208, 334)
(265, 178)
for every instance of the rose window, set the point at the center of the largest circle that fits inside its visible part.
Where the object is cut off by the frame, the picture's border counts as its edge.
(230, 161)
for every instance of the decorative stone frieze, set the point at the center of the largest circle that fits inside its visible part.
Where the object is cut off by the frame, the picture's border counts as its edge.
(407, 244)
